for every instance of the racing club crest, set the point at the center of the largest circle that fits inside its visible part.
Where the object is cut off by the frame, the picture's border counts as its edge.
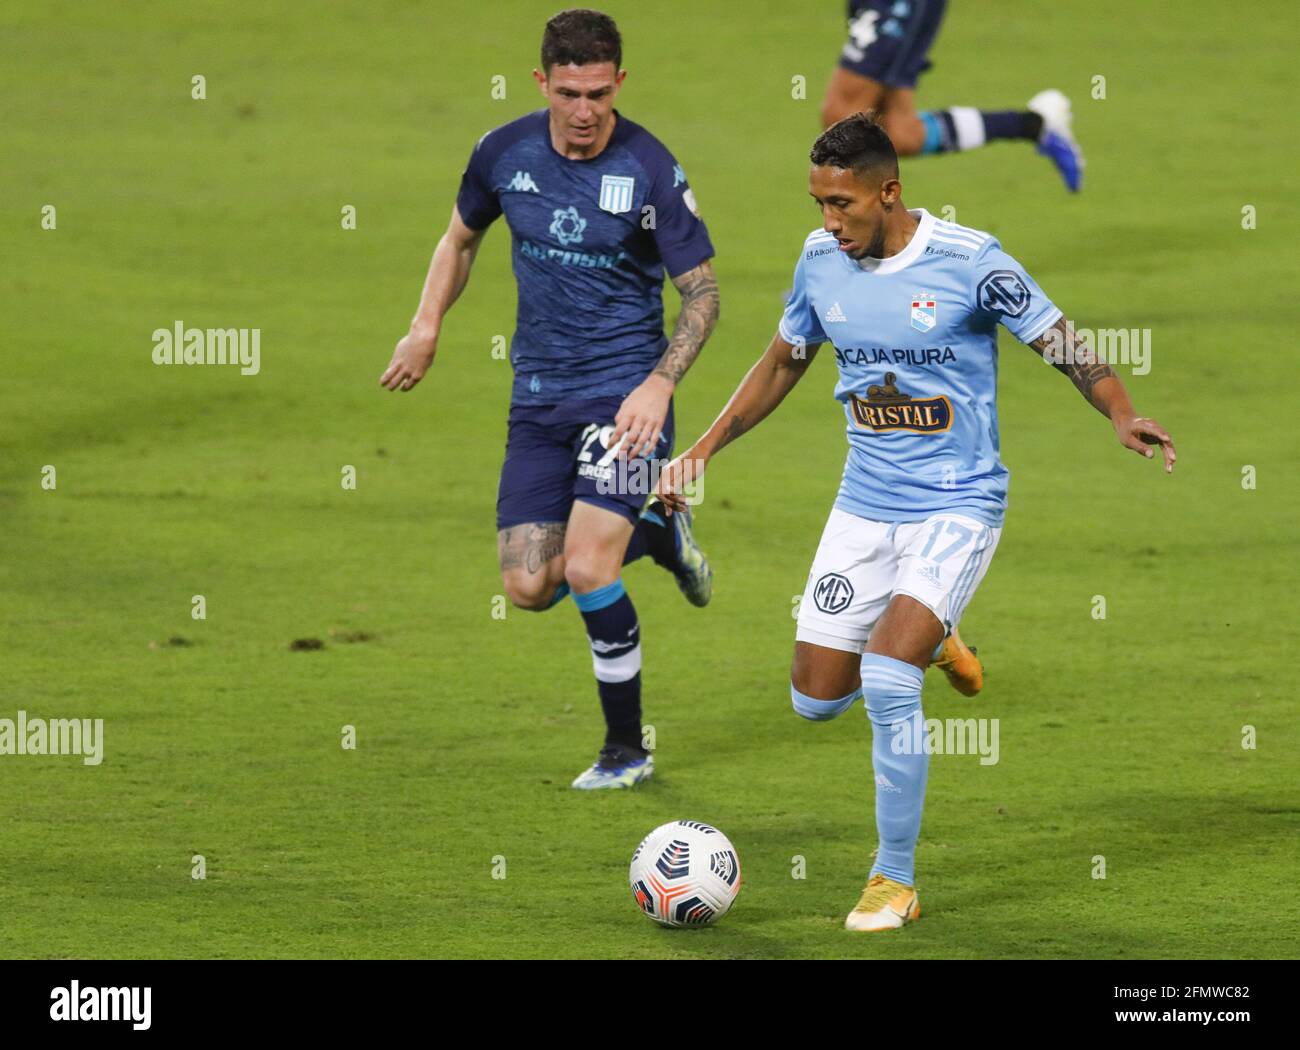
(923, 312)
(616, 193)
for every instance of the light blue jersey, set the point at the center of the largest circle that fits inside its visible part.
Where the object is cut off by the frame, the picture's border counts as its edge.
(916, 344)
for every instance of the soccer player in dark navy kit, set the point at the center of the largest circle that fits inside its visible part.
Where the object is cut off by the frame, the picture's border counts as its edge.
(598, 210)
(887, 51)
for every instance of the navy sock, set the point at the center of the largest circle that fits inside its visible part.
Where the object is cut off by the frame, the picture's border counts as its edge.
(962, 127)
(615, 637)
(653, 536)
(1012, 124)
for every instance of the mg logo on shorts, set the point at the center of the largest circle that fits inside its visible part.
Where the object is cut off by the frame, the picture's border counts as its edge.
(833, 593)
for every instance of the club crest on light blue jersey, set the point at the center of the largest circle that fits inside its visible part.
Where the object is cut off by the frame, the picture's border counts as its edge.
(923, 308)
(918, 386)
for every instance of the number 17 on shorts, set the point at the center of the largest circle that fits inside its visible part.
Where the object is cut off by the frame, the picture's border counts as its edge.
(861, 564)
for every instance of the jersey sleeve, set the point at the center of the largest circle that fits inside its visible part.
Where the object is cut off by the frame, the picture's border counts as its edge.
(1006, 294)
(799, 323)
(477, 201)
(680, 235)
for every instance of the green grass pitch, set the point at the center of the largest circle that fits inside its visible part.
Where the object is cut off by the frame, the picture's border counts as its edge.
(1120, 738)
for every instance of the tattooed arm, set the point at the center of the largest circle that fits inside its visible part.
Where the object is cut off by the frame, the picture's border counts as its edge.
(1099, 384)
(641, 416)
(763, 388)
(699, 292)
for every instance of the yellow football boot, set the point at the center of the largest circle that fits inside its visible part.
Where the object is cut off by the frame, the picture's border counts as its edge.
(885, 905)
(959, 662)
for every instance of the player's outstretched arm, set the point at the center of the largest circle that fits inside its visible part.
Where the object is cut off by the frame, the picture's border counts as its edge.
(448, 274)
(643, 412)
(763, 388)
(1099, 384)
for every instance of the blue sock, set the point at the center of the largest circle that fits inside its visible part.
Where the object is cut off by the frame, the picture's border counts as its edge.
(821, 710)
(615, 637)
(893, 692)
(561, 592)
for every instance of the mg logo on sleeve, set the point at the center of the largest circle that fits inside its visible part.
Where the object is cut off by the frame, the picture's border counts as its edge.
(1003, 292)
(833, 593)
(616, 193)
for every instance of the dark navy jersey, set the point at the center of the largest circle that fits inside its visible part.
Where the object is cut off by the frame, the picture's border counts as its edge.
(591, 240)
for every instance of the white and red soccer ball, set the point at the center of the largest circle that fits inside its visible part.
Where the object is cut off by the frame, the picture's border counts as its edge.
(685, 874)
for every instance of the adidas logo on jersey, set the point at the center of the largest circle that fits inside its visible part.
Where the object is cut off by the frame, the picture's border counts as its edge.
(523, 183)
(835, 314)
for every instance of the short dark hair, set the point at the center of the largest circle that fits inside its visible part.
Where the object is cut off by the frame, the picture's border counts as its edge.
(856, 142)
(580, 37)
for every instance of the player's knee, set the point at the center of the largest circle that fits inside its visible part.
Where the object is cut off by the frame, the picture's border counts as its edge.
(833, 110)
(819, 710)
(531, 591)
(584, 574)
(838, 104)
(905, 131)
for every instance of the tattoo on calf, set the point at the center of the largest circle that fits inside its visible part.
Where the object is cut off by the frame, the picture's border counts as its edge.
(530, 546)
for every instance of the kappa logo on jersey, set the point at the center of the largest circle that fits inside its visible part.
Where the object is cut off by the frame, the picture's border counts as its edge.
(835, 314)
(679, 175)
(616, 193)
(1003, 292)
(567, 225)
(923, 317)
(523, 183)
(833, 593)
(887, 408)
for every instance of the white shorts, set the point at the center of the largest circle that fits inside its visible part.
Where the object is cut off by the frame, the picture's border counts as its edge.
(860, 565)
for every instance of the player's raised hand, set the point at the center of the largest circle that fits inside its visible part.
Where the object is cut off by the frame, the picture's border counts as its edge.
(1140, 433)
(640, 418)
(676, 478)
(411, 359)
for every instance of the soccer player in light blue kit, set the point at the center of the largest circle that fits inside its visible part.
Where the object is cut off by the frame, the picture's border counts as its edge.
(910, 305)
(598, 210)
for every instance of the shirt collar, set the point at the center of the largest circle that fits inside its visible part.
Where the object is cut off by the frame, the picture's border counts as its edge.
(925, 224)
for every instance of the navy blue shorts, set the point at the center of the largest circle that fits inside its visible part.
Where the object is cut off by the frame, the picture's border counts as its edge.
(890, 40)
(556, 454)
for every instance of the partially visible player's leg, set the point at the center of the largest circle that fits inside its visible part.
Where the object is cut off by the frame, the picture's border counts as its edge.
(892, 672)
(534, 497)
(940, 563)
(532, 564)
(593, 561)
(848, 588)
(848, 93)
(887, 51)
(884, 57)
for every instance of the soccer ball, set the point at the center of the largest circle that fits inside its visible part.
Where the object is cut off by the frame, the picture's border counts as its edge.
(685, 874)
